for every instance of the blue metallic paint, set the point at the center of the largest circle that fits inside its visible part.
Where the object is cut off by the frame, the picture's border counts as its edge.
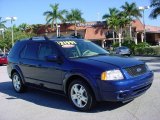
(90, 69)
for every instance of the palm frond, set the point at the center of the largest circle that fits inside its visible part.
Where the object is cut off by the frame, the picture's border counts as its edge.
(155, 3)
(155, 13)
(47, 12)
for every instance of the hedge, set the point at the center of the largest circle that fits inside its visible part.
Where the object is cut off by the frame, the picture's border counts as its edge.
(155, 51)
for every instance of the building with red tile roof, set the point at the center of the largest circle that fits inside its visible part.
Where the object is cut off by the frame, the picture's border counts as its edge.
(97, 31)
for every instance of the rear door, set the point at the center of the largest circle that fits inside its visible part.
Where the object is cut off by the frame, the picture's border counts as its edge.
(29, 61)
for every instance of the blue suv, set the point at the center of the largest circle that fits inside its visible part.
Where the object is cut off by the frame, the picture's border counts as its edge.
(85, 72)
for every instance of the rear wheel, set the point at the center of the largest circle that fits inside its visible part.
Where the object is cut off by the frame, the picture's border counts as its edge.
(80, 95)
(17, 83)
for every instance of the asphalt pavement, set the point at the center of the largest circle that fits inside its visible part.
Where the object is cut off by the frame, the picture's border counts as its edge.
(40, 105)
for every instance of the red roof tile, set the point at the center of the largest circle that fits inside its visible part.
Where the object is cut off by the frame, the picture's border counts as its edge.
(153, 29)
(138, 25)
(95, 33)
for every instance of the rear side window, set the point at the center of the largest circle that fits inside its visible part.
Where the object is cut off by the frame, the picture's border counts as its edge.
(30, 51)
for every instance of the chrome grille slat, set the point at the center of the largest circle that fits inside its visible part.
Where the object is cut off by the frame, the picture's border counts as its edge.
(136, 70)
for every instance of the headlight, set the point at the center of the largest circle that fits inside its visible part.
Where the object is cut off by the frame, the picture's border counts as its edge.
(112, 75)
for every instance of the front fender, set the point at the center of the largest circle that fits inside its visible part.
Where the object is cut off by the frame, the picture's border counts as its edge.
(90, 79)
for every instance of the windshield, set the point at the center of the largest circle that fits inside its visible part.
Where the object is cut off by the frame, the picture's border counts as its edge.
(80, 48)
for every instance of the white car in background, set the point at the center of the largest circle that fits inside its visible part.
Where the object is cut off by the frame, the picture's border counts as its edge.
(123, 51)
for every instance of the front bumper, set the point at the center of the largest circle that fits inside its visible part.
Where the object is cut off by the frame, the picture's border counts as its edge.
(127, 89)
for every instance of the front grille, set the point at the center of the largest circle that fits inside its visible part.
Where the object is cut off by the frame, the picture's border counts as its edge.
(136, 70)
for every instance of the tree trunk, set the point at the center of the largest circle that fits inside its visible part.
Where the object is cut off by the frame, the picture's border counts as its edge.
(113, 37)
(119, 37)
(121, 32)
(130, 31)
(130, 28)
(4, 50)
(75, 29)
(57, 29)
(52, 25)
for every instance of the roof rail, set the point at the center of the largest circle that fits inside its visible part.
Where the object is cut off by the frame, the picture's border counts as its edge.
(39, 38)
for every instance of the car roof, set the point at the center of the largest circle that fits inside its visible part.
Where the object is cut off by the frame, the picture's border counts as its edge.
(54, 39)
(123, 47)
(66, 39)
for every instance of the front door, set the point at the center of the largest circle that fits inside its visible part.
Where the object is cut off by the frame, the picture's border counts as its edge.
(49, 74)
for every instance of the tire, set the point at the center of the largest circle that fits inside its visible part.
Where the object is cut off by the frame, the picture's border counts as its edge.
(17, 83)
(80, 95)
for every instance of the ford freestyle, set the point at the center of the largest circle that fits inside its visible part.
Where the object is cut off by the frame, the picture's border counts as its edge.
(85, 72)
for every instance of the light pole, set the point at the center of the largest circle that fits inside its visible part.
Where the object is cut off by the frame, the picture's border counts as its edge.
(143, 8)
(12, 19)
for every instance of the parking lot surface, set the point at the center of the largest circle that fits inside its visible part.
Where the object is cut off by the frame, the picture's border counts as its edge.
(40, 105)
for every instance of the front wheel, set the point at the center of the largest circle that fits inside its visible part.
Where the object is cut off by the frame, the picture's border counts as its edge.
(80, 95)
(17, 83)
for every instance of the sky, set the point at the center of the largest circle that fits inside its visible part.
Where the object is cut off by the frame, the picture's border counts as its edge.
(31, 11)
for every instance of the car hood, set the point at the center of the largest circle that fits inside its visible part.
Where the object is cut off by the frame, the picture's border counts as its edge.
(121, 62)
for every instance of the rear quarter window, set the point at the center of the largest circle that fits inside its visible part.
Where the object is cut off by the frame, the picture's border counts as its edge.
(30, 51)
(14, 52)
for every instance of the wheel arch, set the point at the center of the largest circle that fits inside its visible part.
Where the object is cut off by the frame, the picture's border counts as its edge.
(84, 79)
(17, 69)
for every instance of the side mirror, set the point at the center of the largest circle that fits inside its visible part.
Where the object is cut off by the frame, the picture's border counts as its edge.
(52, 58)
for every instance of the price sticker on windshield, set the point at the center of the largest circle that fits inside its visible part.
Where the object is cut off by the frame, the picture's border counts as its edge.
(66, 43)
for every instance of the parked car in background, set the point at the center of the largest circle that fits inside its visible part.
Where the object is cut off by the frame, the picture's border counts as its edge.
(3, 59)
(122, 51)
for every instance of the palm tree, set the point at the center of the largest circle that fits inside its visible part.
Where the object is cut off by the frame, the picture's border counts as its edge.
(75, 16)
(132, 11)
(23, 27)
(54, 15)
(117, 21)
(123, 22)
(112, 20)
(2, 25)
(34, 28)
(155, 4)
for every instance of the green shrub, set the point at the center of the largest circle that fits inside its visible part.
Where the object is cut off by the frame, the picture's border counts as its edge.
(141, 48)
(156, 50)
(116, 44)
(142, 45)
(148, 51)
(130, 44)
